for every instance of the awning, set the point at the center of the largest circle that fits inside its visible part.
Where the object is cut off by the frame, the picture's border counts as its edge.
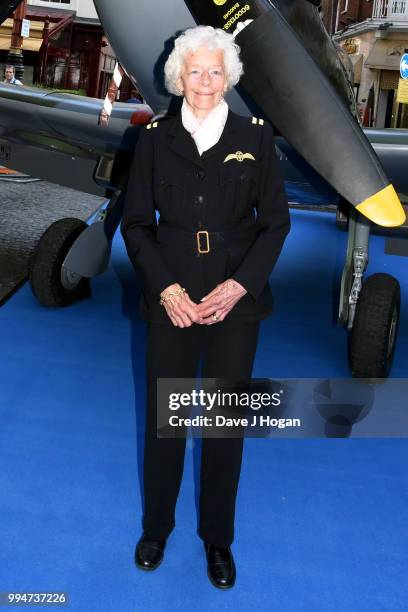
(357, 61)
(29, 44)
(385, 55)
(59, 19)
(32, 43)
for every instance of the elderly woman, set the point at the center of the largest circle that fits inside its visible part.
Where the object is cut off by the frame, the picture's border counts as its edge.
(215, 179)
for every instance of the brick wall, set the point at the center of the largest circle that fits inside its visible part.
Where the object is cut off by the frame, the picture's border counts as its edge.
(354, 11)
(351, 11)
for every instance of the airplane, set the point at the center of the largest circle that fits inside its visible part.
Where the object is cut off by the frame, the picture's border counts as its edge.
(295, 77)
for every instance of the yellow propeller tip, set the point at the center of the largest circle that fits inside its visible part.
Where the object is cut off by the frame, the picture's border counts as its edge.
(383, 208)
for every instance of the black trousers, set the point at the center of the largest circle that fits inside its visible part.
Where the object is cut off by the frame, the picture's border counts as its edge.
(228, 350)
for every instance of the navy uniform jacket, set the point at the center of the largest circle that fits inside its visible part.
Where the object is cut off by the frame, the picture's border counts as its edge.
(225, 189)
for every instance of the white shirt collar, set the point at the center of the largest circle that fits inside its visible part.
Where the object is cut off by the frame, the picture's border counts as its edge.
(205, 132)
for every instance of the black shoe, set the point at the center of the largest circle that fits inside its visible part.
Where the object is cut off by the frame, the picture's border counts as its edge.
(221, 566)
(149, 553)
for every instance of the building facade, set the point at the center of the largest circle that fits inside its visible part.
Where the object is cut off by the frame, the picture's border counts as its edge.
(67, 48)
(374, 33)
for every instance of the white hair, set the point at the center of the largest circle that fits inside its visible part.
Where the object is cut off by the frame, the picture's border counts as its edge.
(196, 38)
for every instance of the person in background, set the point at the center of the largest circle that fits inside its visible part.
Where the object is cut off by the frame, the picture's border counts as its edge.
(10, 77)
(135, 97)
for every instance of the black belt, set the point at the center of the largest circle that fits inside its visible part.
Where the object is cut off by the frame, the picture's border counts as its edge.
(202, 241)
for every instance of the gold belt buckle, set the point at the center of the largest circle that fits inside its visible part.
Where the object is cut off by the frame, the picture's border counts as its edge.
(207, 249)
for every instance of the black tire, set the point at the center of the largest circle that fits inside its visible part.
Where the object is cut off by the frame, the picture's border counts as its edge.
(46, 265)
(373, 336)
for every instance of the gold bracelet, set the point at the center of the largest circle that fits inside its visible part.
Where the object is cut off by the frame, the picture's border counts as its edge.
(166, 296)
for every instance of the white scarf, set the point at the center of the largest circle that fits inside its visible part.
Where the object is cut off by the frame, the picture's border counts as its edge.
(205, 132)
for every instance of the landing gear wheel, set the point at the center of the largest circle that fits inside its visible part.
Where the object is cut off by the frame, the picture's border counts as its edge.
(373, 335)
(51, 284)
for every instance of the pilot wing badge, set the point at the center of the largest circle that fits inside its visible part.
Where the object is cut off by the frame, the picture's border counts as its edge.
(239, 156)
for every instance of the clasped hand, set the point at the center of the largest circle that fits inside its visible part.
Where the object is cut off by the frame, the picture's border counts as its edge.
(212, 308)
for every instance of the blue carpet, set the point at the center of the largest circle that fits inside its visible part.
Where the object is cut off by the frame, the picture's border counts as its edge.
(320, 525)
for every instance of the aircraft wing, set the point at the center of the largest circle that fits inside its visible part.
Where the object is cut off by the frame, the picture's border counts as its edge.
(57, 137)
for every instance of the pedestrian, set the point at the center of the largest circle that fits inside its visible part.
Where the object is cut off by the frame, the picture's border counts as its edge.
(135, 97)
(9, 76)
(215, 179)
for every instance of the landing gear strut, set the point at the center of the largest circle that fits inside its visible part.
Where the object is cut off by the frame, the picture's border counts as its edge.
(369, 309)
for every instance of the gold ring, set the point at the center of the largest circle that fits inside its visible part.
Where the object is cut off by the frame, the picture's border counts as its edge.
(215, 317)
